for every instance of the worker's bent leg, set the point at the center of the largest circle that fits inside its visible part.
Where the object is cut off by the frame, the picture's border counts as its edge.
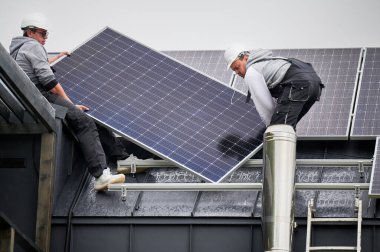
(112, 146)
(87, 134)
(295, 101)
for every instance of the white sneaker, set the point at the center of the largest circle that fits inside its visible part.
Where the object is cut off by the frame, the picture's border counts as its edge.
(107, 178)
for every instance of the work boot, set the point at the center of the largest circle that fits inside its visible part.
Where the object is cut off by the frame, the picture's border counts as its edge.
(107, 178)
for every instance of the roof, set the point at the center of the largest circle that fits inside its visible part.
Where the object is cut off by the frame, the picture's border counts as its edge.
(223, 203)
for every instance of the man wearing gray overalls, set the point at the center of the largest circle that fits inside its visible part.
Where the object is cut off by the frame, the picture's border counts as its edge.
(294, 83)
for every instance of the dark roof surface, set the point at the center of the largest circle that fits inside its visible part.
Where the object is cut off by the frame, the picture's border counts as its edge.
(214, 204)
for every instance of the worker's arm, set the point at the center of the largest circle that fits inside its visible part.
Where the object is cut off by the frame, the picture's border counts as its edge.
(260, 94)
(58, 89)
(61, 54)
(38, 59)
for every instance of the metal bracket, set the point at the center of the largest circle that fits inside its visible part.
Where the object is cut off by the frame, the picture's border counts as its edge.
(133, 164)
(361, 169)
(312, 206)
(123, 194)
(357, 198)
(357, 192)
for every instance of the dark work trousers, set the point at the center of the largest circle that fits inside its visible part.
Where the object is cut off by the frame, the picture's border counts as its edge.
(113, 148)
(86, 132)
(295, 100)
(300, 88)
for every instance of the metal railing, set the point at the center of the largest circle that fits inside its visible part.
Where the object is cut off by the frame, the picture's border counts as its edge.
(336, 163)
(125, 187)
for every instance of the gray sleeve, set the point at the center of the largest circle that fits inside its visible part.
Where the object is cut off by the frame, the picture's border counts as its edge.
(38, 59)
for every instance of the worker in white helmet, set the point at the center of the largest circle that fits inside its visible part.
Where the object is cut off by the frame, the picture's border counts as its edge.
(37, 23)
(31, 56)
(294, 84)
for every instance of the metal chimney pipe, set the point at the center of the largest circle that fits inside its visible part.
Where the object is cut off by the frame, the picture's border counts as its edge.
(278, 187)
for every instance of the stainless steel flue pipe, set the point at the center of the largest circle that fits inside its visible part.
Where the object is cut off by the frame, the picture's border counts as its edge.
(278, 187)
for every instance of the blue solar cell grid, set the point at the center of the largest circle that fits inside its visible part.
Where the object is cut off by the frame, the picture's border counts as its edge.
(374, 188)
(367, 112)
(162, 105)
(210, 62)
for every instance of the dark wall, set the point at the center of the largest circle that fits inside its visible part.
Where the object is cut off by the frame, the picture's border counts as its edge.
(19, 175)
(162, 237)
(199, 235)
(19, 155)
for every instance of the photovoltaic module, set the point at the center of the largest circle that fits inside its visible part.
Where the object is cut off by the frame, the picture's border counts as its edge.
(162, 105)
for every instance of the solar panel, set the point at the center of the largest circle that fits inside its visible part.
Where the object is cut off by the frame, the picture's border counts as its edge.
(330, 117)
(210, 62)
(374, 186)
(367, 111)
(162, 105)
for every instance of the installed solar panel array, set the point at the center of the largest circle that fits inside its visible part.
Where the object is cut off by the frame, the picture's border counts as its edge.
(374, 187)
(367, 111)
(162, 105)
(211, 63)
(338, 70)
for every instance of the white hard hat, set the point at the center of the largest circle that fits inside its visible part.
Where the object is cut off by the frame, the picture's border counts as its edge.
(36, 19)
(232, 53)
